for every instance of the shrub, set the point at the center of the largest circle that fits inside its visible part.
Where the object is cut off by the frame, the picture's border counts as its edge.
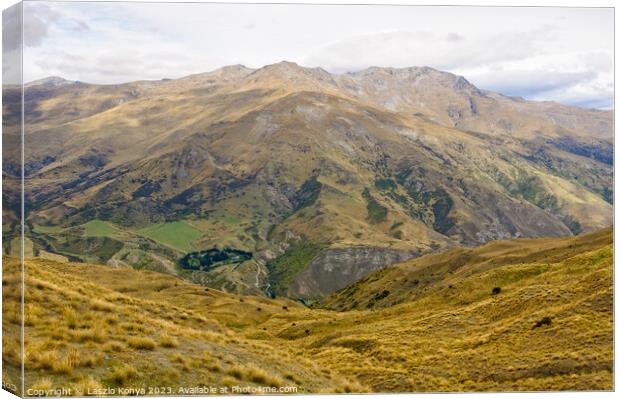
(396, 225)
(496, 290)
(545, 321)
(141, 343)
(381, 295)
(377, 213)
(397, 234)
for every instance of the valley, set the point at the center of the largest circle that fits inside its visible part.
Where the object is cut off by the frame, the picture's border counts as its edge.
(324, 178)
(510, 315)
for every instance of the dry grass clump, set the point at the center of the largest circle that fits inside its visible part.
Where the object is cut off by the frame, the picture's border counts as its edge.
(292, 378)
(351, 387)
(181, 359)
(11, 312)
(88, 386)
(215, 368)
(261, 377)
(235, 371)
(70, 317)
(113, 346)
(133, 327)
(101, 306)
(11, 350)
(142, 343)
(43, 358)
(123, 374)
(177, 358)
(229, 382)
(32, 314)
(255, 375)
(168, 341)
(36, 358)
(64, 365)
(41, 386)
(94, 334)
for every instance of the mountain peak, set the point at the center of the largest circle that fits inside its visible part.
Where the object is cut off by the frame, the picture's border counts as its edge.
(50, 81)
(423, 78)
(292, 72)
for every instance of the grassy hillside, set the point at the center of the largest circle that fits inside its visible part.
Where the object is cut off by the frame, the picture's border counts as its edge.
(510, 315)
(444, 272)
(99, 228)
(178, 235)
(90, 326)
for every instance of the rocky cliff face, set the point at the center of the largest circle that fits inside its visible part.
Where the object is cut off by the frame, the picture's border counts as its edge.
(336, 268)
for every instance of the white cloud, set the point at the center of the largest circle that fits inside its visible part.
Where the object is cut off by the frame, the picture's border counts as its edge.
(437, 49)
(559, 54)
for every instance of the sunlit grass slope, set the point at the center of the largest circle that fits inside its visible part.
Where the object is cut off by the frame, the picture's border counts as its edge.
(91, 326)
(511, 315)
(178, 235)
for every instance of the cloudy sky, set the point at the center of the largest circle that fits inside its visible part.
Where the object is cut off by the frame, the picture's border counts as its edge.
(561, 54)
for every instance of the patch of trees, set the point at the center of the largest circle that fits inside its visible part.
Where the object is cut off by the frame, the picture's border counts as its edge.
(211, 258)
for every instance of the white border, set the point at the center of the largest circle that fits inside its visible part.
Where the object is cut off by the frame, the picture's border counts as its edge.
(504, 3)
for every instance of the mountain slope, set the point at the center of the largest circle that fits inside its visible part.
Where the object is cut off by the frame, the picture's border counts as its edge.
(397, 162)
(440, 273)
(539, 318)
(91, 327)
(548, 327)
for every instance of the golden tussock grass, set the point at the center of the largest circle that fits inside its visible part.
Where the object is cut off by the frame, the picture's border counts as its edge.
(123, 374)
(113, 346)
(41, 386)
(261, 377)
(229, 382)
(168, 341)
(89, 386)
(448, 332)
(255, 375)
(94, 334)
(143, 343)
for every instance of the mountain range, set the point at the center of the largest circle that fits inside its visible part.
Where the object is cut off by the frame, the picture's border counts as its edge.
(320, 178)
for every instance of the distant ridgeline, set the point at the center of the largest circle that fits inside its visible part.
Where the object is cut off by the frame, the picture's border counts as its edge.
(211, 258)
